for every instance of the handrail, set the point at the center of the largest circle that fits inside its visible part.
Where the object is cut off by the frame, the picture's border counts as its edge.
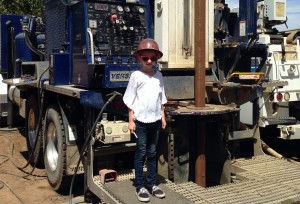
(92, 45)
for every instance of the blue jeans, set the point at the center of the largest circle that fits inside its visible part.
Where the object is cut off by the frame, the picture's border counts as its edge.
(146, 142)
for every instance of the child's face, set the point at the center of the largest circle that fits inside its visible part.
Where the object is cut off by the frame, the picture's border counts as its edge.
(148, 58)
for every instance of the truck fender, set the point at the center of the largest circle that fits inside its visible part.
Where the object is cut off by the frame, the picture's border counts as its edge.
(72, 149)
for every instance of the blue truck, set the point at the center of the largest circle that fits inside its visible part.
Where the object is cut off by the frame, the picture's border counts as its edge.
(74, 65)
(9, 27)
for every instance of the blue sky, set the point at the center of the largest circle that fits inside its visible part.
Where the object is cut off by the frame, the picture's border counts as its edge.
(292, 11)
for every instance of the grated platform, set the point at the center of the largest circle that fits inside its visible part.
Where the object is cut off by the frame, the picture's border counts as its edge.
(124, 191)
(266, 180)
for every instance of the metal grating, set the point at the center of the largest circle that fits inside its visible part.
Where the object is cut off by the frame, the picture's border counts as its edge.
(250, 175)
(269, 181)
(126, 175)
(97, 181)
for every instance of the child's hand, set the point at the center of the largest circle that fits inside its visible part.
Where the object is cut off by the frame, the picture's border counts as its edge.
(131, 126)
(163, 123)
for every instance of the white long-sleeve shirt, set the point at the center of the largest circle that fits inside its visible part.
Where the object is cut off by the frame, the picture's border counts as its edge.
(145, 95)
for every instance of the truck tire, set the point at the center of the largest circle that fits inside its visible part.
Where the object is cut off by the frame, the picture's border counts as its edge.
(55, 150)
(3, 121)
(32, 116)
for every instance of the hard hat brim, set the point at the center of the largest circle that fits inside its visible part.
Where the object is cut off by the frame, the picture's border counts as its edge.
(159, 53)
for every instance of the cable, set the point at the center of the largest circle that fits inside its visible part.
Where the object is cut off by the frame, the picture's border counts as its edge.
(114, 94)
(31, 47)
(38, 127)
(267, 99)
(22, 169)
(10, 157)
(1, 181)
(5, 160)
(40, 92)
(2, 155)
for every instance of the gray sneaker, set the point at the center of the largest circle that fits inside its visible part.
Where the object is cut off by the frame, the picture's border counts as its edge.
(143, 194)
(157, 192)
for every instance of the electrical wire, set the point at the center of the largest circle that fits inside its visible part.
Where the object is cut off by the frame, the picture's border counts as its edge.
(114, 94)
(5, 160)
(10, 157)
(40, 88)
(5, 184)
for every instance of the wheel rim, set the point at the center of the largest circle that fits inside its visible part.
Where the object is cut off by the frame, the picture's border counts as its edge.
(31, 128)
(51, 148)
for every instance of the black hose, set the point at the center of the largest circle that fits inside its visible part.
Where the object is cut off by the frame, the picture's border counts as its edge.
(37, 130)
(114, 94)
(31, 47)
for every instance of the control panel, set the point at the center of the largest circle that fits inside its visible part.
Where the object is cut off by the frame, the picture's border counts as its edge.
(103, 36)
(109, 132)
(117, 28)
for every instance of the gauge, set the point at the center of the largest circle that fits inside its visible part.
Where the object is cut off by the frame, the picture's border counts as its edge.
(101, 7)
(92, 23)
(120, 8)
(125, 128)
(124, 28)
(127, 9)
(108, 130)
(98, 59)
(141, 10)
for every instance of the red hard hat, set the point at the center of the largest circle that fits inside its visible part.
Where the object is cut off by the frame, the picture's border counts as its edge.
(148, 44)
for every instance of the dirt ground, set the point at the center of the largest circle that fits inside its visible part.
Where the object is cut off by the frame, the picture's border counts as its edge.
(16, 186)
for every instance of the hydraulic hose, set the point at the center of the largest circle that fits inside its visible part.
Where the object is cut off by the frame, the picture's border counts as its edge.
(37, 130)
(31, 47)
(113, 95)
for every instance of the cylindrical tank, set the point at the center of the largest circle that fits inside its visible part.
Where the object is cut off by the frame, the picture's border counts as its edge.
(14, 95)
(40, 38)
(23, 52)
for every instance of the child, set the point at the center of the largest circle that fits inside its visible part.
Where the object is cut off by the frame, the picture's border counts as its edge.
(144, 97)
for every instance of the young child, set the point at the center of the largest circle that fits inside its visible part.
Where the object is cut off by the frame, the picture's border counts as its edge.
(144, 97)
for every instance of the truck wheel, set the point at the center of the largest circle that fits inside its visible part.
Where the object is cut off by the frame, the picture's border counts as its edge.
(3, 121)
(55, 150)
(32, 117)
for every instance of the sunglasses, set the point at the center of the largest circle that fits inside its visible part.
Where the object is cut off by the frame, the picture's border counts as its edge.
(146, 58)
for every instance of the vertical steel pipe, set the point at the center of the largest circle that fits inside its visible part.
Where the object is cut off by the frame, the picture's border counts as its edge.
(10, 72)
(200, 63)
(200, 163)
(200, 48)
